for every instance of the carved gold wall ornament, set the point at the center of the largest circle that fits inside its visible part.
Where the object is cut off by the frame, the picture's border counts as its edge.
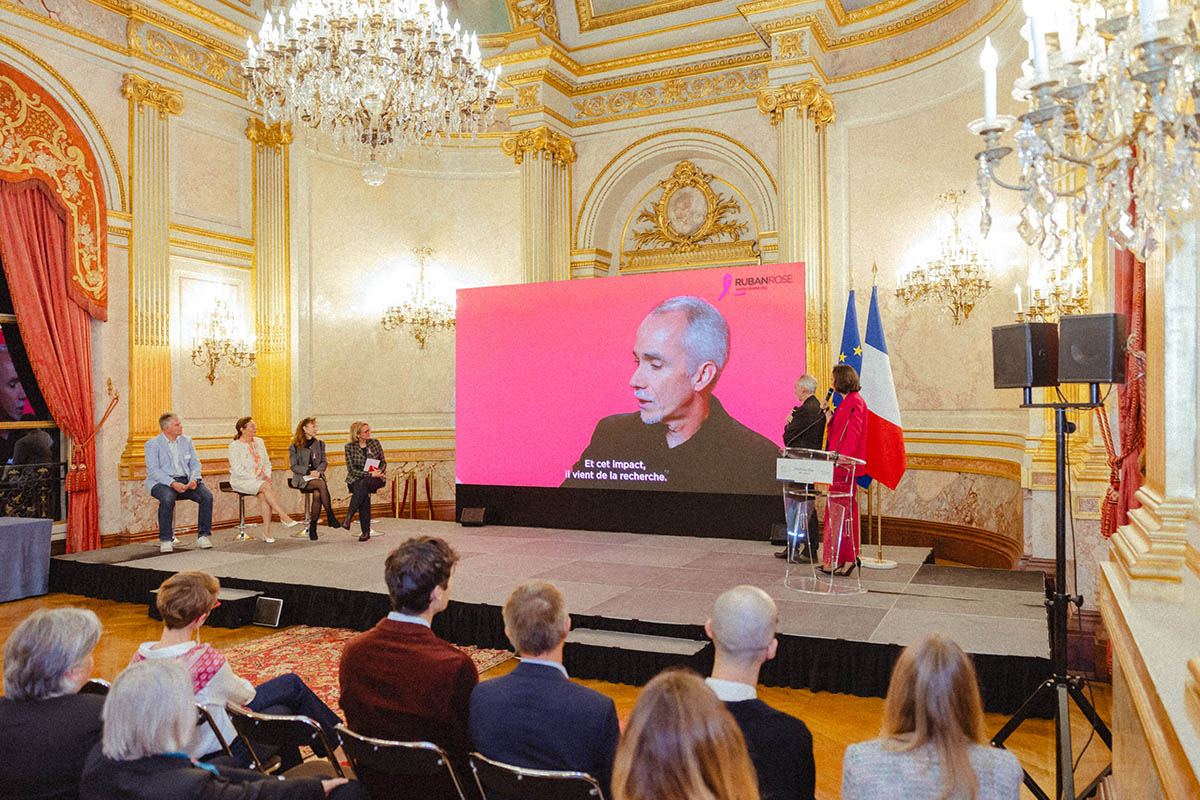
(39, 139)
(672, 92)
(264, 135)
(688, 213)
(171, 48)
(790, 45)
(538, 140)
(140, 90)
(538, 12)
(808, 96)
(527, 96)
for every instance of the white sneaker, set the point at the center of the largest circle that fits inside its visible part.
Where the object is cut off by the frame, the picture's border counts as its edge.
(203, 542)
(165, 547)
(269, 539)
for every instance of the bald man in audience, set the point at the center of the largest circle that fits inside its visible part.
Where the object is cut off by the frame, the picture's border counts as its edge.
(535, 716)
(742, 628)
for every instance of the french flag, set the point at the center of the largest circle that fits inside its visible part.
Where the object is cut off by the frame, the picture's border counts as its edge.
(886, 459)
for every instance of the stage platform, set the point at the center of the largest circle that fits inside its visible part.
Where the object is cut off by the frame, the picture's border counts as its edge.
(640, 599)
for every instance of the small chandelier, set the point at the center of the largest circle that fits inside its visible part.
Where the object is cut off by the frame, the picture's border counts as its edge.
(373, 76)
(214, 343)
(422, 313)
(1112, 98)
(957, 278)
(1059, 290)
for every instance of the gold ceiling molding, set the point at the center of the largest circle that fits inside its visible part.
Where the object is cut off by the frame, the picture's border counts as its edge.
(538, 140)
(66, 85)
(535, 12)
(686, 70)
(897, 27)
(191, 9)
(264, 135)
(808, 96)
(198, 60)
(671, 93)
(589, 21)
(578, 70)
(204, 232)
(164, 98)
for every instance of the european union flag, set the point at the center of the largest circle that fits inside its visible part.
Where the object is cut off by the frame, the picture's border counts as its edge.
(851, 349)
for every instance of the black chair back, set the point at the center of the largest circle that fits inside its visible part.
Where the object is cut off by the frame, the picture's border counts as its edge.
(280, 730)
(204, 717)
(397, 758)
(520, 783)
(95, 686)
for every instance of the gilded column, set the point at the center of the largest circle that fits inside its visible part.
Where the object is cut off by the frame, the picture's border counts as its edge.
(271, 386)
(545, 158)
(150, 108)
(801, 111)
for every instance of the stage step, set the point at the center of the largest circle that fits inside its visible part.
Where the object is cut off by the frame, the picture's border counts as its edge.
(643, 643)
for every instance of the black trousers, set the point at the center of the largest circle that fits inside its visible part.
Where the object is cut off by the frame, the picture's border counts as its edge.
(360, 500)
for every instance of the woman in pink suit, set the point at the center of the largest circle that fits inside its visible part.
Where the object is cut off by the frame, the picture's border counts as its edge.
(847, 430)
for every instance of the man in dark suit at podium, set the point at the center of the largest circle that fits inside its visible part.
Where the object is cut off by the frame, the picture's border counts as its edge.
(806, 428)
(535, 716)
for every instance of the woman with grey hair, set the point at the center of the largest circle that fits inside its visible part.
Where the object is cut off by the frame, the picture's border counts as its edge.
(149, 722)
(46, 727)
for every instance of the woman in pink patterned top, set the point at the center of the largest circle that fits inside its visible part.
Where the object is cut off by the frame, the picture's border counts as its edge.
(184, 600)
(250, 473)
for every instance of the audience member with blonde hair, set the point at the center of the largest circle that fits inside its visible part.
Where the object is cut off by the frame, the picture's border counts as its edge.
(46, 727)
(184, 600)
(681, 744)
(250, 473)
(149, 724)
(932, 743)
(535, 716)
(365, 471)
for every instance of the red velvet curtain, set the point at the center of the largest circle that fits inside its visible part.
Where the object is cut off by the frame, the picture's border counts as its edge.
(56, 332)
(1130, 300)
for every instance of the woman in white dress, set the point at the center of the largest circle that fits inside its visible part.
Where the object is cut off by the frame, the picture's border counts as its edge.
(250, 473)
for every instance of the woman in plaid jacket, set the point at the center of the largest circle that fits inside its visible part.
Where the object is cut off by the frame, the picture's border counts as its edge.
(362, 479)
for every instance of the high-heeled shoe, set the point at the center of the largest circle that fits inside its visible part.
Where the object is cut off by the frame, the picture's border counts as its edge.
(291, 523)
(847, 569)
(825, 569)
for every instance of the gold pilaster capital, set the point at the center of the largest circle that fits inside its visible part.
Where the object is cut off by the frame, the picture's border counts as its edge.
(264, 135)
(808, 96)
(538, 140)
(140, 90)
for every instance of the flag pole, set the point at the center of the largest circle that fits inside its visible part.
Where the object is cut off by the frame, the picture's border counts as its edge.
(875, 516)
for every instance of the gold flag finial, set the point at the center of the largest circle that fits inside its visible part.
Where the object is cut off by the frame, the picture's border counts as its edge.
(874, 272)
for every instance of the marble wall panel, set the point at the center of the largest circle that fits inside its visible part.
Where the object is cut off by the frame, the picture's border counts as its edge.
(210, 177)
(978, 501)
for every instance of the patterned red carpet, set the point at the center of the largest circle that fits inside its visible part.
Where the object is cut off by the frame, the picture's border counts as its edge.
(313, 653)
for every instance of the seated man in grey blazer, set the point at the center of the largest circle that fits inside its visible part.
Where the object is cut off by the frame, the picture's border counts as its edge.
(535, 716)
(173, 473)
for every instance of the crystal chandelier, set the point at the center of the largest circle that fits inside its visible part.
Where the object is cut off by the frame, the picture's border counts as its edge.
(1110, 139)
(421, 312)
(956, 278)
(215, 342)
(1058, 290)
(373, 76)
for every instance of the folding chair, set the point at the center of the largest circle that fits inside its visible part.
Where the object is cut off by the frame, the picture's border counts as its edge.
(521, 783)
(397, 758)
(279, 731)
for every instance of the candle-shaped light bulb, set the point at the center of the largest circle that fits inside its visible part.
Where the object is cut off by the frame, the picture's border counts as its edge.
(988, 59)
(1037, 41)
(1017, 292)
(1149, 13)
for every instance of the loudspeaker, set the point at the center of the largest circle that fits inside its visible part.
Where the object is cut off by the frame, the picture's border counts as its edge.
(1025, 354)
(267, 610)
(471, 517)
(1092, 348)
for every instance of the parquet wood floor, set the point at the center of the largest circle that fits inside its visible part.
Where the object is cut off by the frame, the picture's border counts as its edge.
(835, 720)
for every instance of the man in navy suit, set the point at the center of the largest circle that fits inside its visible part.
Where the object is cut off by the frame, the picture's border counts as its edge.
(535, 716)
(742, 628)
(173, 473)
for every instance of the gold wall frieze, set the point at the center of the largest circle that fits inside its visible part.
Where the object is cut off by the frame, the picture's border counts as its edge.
(671, 92)
(264, 135)
(715, 254)
(589, 20)
(205, 233)
(146, 92)
(195, 59)
(192, 10)
(541, 113)
(538, 140)
(562, 58)
(95, 123)
(973, 465)
(808, 96)
(741, 60)
(244, 256)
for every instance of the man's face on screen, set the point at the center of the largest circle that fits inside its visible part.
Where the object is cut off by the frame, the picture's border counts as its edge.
(665, 390)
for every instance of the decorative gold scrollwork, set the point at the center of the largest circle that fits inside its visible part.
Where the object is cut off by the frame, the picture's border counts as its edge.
(808, 96)
(538, 140)
(688, 213)
(263, 135)
(140, 90)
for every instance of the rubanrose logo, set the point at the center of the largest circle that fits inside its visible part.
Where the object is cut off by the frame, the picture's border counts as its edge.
(751, 283)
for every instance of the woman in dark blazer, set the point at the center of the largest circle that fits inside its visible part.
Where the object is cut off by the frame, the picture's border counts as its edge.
(307, 456)
(361, 479)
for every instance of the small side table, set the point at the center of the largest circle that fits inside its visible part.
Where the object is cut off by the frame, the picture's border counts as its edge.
(24, 557)
(400, 502)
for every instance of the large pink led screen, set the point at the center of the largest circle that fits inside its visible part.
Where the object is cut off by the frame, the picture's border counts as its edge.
(578, 384)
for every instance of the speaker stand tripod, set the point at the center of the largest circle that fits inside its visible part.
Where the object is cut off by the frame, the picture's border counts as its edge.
(1060, 686)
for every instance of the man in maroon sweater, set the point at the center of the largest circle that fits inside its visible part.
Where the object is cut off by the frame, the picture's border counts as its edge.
(400, 681)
